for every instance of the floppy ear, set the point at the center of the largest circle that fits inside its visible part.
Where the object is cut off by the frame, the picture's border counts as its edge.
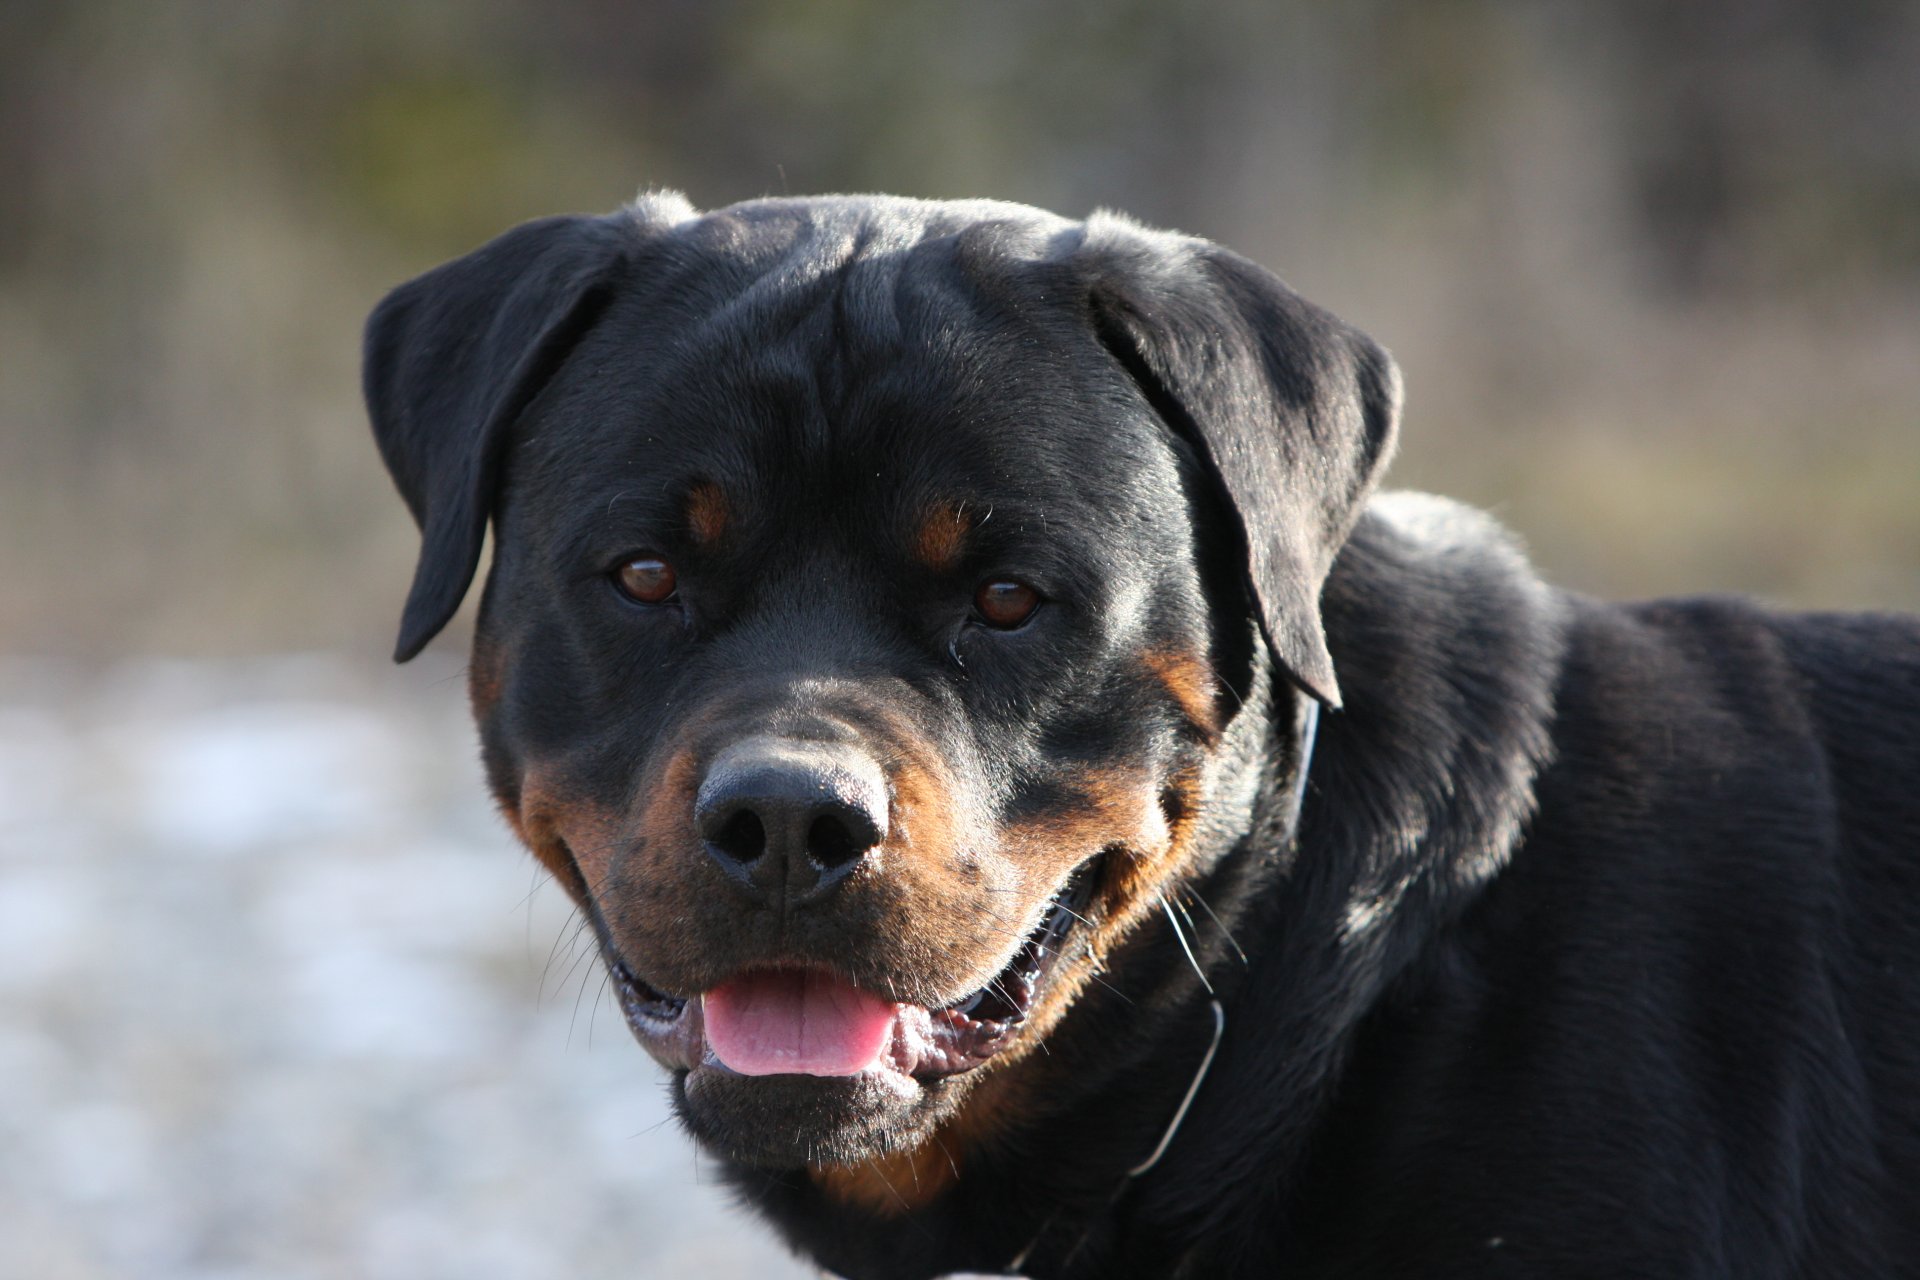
(451, 359)
(1294, 411)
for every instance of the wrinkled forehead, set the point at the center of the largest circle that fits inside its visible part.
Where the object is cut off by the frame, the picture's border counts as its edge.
(898, 379)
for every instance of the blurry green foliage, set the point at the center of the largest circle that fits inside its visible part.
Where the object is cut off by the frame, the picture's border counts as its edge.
(428, 158)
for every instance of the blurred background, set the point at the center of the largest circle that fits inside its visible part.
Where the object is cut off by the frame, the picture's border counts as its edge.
(276, 996)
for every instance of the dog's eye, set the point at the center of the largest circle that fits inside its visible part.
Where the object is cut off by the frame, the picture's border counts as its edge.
(1005, 603)
(648, 579)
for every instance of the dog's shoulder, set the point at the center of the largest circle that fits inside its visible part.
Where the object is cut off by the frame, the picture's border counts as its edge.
(1693, 955)
(1455, 648)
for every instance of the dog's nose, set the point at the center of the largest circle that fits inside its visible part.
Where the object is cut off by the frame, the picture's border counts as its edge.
(788, 819)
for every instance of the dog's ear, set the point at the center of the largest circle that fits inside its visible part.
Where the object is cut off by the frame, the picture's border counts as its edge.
(1294, 412)
(452, 358)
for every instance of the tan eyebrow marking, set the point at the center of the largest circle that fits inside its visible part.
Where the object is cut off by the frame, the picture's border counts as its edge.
(942, 536)
(707, 511)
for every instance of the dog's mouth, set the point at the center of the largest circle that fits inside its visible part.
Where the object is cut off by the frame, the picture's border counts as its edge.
(815, 1023)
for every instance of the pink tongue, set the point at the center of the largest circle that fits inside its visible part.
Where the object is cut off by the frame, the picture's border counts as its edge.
(793, 1022)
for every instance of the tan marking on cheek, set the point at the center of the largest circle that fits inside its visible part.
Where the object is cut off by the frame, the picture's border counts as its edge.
(1145, 825)
(511, 812)
(664, 882)
(551, 851)
(930, 883)
(1191, 683)
(667, 817)
(486, 676)
(942, 536)
(1142, 868)
(1106, 807)
(923, 812)
(707, 511)
(573, 838)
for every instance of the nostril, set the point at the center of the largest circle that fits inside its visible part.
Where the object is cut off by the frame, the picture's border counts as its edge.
(741, 837)
(786, 820)
(831, 843)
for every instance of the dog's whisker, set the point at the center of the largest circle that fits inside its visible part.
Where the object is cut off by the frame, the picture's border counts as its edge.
(579, 992)
(993, 985)
(1184, 946)
(1095, 977)
(1220, 924)
(569, 934)
(653, 1128)
(1075, 914)
(577, 954)
(952, 1164)
(873, 1167)
(593, 1006)
(1221, 682)
(534, 883)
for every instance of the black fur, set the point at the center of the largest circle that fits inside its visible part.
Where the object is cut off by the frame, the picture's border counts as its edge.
(1594, 948)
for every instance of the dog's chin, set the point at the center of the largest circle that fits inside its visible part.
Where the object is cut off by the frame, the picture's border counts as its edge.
(786, 1121)
(890, 1073)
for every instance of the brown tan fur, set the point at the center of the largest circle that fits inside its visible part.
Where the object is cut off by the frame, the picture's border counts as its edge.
(486, 676)
(707, 512)
(1192, 684)
(1119, 810)
(929, 900)
(947, 907)
(941, 536)
(572, 838)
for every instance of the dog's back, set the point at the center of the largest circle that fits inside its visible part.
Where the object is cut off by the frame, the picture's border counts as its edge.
(1679, 1033)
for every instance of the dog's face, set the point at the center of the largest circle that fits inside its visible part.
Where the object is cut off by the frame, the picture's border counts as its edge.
(873, 584)
(859, 716)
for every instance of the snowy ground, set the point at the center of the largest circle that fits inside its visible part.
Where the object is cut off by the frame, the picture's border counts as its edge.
(279, 999)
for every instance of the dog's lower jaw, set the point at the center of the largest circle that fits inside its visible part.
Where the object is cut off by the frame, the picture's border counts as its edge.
(784, 1122)
(959, 1196)
(877, 1103)
(963, 1198)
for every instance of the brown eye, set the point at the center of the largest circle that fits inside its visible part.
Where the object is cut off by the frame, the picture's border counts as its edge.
(1005, 603)
(648, 579)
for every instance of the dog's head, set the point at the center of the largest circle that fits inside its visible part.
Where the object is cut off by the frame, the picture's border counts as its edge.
(874, 584)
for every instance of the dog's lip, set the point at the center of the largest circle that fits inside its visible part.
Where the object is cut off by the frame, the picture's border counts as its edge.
(925, 1043)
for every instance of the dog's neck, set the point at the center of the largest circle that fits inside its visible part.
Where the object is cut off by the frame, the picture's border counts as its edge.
(1448, 648)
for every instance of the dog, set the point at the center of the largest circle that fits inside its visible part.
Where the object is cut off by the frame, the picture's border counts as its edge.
(1049, 815)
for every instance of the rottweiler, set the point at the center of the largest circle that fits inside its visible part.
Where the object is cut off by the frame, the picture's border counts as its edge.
(1049, 816)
